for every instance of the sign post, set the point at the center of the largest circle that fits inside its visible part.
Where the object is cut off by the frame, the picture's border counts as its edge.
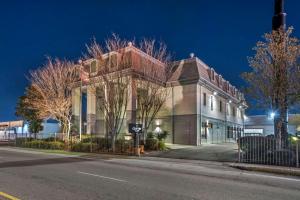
(136, 130)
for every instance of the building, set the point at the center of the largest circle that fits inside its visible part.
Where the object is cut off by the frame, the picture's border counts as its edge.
(202, 107)
(11, 129)
(264, 124)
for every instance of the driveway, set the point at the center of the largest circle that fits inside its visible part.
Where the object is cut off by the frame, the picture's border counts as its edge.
(226, 152)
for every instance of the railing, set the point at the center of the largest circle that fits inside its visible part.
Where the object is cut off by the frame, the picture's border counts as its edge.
(268, 150)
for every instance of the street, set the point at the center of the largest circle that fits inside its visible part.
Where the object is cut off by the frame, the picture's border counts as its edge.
(38, 176)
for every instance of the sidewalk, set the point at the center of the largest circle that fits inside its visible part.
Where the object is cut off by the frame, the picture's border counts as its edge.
(267, 168)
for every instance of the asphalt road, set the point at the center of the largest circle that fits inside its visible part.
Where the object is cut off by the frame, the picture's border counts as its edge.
(39, 176)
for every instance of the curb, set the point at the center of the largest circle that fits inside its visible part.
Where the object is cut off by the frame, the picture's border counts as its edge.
(269, 169)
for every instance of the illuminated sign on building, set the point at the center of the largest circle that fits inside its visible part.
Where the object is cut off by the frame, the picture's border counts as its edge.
(254, 130)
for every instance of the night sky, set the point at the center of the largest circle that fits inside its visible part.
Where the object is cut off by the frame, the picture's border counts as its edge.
(221, 33)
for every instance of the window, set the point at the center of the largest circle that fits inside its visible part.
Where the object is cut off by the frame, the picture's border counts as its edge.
(204, 99)
(204, 132)
(93, 67)
(221, 106)
(229, 132)
(212, 74)
(211, 103)
(233, 111)
(113, 61)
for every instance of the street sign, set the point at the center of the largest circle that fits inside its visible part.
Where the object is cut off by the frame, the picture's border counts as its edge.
(135, 128)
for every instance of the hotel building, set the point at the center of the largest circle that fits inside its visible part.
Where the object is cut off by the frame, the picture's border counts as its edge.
(201, 108)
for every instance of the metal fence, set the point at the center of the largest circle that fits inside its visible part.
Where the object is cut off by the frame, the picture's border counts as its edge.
(268, 150)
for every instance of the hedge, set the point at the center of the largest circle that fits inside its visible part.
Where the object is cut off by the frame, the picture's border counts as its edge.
(41, 144)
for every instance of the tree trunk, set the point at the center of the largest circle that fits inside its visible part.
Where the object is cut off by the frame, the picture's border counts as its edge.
(68, 133)
(145, 136)
(280, 127)
(113, 142)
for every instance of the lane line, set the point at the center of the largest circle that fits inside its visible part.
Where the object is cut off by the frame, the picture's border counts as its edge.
(7, 196)
(274, 177)
(104, 177)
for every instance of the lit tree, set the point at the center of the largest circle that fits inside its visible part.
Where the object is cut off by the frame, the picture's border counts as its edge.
(53, 83)
(110, 85)
(151, 82)
(275, 77)
(148, 80)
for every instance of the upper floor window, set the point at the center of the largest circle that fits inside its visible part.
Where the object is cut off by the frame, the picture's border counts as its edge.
(212, 74)
(211, 103)
(221, 106)
(93, 67)
(233, 111)
(204, 99)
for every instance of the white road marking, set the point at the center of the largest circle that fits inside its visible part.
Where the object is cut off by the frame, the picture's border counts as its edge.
(274, 177)
(104, 177)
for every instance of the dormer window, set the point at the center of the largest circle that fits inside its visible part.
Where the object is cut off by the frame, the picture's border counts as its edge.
(212, 73)
(220, 81)
(113, 61)
(93, 68)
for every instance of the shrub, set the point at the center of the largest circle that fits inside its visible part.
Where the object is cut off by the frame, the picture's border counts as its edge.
(151, 144)
(161, 146)
(41, 144)
(84, 147)
(56, 145)
(162, 136)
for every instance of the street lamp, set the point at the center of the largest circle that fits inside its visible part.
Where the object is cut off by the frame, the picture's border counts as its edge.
(296, 139)
(272, 115)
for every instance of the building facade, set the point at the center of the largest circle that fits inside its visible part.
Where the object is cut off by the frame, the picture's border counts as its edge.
(12, 129)
(263, 125)
(201, 107)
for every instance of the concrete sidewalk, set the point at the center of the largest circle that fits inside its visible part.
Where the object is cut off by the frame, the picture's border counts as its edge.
(267, 168)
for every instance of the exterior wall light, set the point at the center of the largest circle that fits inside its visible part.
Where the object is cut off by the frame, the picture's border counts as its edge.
(127, 137)
(158, 122)
(229, 101)
(215, 93)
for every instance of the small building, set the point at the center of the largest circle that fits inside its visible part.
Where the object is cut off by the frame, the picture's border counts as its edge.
(12, 129)
(264, 124)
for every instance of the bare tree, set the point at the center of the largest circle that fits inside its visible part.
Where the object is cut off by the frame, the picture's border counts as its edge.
(53, 84)
(151, 82)
(110, 84)
(275, 76)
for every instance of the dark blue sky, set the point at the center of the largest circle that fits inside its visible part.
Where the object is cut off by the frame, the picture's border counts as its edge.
(219, 32)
